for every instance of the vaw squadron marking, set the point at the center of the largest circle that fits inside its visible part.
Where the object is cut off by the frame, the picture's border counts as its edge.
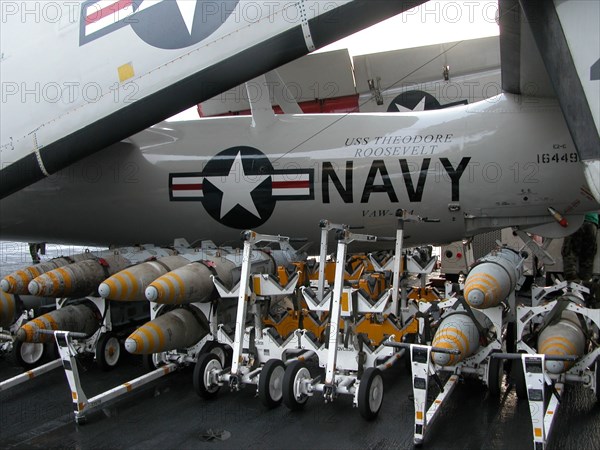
(179, 20)
(239, 186)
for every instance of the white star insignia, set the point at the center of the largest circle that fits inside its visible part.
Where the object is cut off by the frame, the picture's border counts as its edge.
(419, 107)
(237, 188)
(187, 9)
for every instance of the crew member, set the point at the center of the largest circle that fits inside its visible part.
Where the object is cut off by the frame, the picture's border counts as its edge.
(35, 249)
(579, 249)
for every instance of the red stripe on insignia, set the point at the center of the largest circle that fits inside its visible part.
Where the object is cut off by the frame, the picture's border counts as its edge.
(290, 184)
(187, 187)
(111, 9)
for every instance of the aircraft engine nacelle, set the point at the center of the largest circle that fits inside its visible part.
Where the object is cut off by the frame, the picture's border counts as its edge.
(493, 278)
(562, 338)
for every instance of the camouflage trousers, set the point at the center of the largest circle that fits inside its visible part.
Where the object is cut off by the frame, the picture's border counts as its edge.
(578, 253)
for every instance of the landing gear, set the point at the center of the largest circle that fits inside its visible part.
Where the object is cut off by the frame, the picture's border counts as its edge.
(270, 383)
(108, 351)
(370, 393)
(207, 367)
(28, 354)
(293, 396)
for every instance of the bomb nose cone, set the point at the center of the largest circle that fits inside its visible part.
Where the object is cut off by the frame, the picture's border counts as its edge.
(104, 290)
(443, 359)
(555, 366)
(131, 345)
(5, 285)
(151, 293)
(475, 298)
(21, 335)
(34, 288)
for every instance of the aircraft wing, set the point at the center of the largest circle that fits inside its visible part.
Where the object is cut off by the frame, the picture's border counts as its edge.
(551, 48)
(80, 76)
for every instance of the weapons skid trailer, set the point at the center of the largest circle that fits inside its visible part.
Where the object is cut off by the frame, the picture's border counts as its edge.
(480, 364)
(352, 368)
(103, 344)
(530, 367)
(259, 357)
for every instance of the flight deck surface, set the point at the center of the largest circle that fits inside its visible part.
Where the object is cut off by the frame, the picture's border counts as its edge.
(168, 414)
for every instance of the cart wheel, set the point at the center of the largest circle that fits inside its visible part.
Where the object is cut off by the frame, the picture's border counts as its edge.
(294, 374)
(370, 393)
(108, 351)
(28, 354)
(270, 383)
(148, 363)
(222, 352)
(518, 377)
(511, 337)
(598, 381)
(204, 386)
(495, 373)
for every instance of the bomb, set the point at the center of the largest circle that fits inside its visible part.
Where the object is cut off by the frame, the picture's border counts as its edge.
(8, 309)
(130, 284)
(456, 332)
(192, 282)
(562, 338)
(83, 317)
(493, 278)
(82, 278)
(179, 328)
(18, 282)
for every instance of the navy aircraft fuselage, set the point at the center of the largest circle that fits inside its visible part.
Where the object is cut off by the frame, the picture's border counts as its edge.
(497, 163)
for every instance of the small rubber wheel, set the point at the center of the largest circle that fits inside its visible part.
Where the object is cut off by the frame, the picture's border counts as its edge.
(222, 351)
(28, 354)
(108, 351)
(148, 362)
(270, 383)
(511, 337)
(518, 376)
(294, 374)
(206, 366)
(495, 374)
(598, 381)
(370, 393)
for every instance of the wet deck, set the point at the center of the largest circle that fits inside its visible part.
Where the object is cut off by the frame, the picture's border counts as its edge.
(168, 414)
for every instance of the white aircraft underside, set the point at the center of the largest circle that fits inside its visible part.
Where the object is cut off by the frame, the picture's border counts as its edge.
(491, 164)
